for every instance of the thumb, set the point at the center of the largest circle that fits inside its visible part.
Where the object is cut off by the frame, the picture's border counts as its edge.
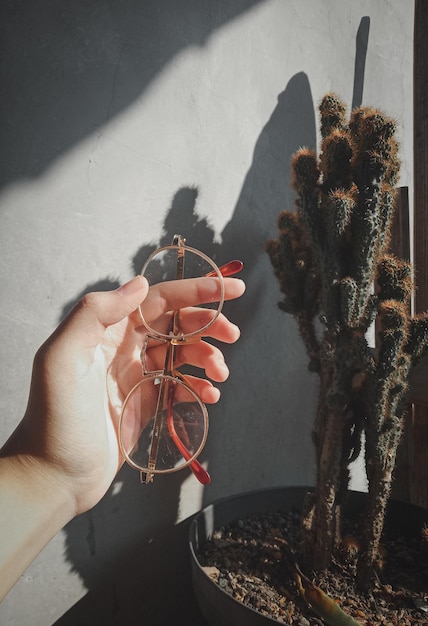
(131, 296)
(98, 310)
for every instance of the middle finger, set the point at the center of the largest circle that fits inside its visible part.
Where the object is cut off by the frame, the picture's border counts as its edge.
(199, 354)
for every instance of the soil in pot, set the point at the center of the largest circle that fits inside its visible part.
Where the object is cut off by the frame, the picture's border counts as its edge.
(246, 560)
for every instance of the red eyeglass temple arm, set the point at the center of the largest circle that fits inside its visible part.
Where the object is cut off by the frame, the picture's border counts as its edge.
(198, 470)
(228, 269)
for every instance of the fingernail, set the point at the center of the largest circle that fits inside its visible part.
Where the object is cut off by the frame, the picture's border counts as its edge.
(237, 331)
(223, 366)
(132, 286)
(216, 394)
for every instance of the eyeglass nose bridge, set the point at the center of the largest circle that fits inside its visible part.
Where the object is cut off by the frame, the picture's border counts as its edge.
(174, 340)
(143, 355)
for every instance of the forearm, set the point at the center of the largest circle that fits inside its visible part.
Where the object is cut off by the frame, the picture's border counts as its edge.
(33, 508)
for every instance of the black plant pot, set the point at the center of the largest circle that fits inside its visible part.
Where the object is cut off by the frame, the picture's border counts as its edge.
(218, 607)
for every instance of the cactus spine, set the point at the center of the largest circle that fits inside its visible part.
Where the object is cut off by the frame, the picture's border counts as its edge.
(332, 263)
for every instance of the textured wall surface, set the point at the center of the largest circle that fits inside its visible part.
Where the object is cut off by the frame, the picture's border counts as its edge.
(121, 124)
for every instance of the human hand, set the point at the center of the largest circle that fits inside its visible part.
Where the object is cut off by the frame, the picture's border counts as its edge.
(85, 369)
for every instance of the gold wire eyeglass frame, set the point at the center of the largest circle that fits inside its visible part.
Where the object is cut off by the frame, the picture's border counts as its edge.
(163, 425)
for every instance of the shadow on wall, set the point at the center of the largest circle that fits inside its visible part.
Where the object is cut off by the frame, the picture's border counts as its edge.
(69, 67)
(130, 553)
(128, 550)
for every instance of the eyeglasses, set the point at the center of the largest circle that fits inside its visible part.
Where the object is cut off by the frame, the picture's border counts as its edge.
(164, 423)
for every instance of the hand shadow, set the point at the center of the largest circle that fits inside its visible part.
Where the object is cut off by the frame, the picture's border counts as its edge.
(129, 550)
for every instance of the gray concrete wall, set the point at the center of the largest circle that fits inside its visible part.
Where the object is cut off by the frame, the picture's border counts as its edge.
(123, 123)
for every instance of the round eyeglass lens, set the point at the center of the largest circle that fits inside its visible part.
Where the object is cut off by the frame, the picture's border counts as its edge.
(173, 263)
(163, 425)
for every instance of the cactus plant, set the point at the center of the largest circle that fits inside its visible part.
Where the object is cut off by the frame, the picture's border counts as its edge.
(338, 279)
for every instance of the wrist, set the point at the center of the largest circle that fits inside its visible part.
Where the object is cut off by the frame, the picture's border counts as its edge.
(34, 506)
(33, 469)
(39, 483)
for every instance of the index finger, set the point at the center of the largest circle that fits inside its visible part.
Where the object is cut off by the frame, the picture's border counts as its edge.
(178, 294)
